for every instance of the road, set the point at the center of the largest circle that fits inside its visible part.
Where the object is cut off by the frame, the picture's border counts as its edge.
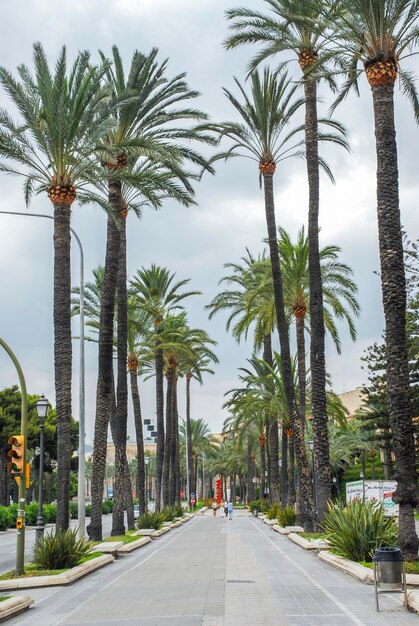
(8, 543)
(216, 572)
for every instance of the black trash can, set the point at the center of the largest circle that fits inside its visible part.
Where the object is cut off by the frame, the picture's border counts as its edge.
(255, 511)
(389, 572)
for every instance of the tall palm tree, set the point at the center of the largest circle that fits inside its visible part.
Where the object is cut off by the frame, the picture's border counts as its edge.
(53, 149)
(145, 128)
(159, 295)
(252, 305)
(265, 116)
(139, 330)
(375, 36)
(301, 27)
(193, 366)
(339, 294)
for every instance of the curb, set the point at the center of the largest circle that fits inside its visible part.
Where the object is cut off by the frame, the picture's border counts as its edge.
(302, 542)
(134, 545)
(160, 532)
(66, 578)
(364, 574)
(14, 606)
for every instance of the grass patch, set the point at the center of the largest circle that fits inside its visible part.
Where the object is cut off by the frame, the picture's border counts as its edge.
(4, 598)
(412, 567)
(124, 538)
(32, 570)
(310, 536)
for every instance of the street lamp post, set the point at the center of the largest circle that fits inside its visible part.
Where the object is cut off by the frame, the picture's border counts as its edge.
(42, 407)
(313, 470)
(362, 477)
(81, 492)
(20, 520)
(146, 461)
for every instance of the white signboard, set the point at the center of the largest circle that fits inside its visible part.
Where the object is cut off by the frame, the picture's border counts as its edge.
(374, 491)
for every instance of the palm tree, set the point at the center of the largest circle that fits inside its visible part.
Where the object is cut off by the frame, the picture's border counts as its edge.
(302, 28)
(252, 305)
(139, 330)
(193, 366)
(373, 38)
(63, 119)
(266, 114)
(159, 295)
(338, 290)
(144, 114)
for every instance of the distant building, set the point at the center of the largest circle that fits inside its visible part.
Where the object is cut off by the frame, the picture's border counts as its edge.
(149, 447)
(352, 400)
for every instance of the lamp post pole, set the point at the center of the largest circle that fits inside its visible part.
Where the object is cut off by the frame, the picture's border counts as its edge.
(20, 520)
(313, 470)
(146, 461)
(81, 491)
(42, 407)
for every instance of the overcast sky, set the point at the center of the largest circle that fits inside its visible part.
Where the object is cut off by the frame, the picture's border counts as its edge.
(195, 242)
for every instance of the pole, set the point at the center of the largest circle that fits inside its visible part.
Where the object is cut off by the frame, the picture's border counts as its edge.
(188, 495)
(146, 486)
(40, 526)
(20, 535)
(81, 490)
(203, 474)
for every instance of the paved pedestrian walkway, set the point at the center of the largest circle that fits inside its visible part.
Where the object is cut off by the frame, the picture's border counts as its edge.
(216, 572)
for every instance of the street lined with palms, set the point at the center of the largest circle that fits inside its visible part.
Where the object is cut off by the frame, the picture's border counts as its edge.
(217, 573)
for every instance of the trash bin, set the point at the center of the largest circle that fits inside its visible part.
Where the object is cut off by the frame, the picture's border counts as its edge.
(389, 572)
(255, 511)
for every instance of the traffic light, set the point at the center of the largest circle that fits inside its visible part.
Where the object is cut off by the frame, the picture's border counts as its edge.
(16, 454)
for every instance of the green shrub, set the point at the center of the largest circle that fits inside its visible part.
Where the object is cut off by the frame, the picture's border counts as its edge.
(74, 510)
(262, 505)
(88, 510)
(13, 514)
(50, 513)
(107, 507)
(5, 518)
(274, 511)
(286, 516)
(178, 510)
(150, 519)
(60, 549)
(355, 530)
(31, 514)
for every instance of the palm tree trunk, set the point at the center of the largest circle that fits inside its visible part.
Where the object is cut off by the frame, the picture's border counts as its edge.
(317, 351)
(262, 453)
(176, 499)
(166, 459)
(284, 467)
(303, 472)
(301, 359)
(250, 488)
(192, 488)
(120, 427)
(105, 363)
(273, 459)
(128, 497)
(291, 471)
(160, 425)
(388, 463)
(138, 421)
(394, 300)
(62, 357)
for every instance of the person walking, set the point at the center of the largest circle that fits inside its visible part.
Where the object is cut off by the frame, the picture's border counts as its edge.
(214, 509)
(225, 508)
(230, 510)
